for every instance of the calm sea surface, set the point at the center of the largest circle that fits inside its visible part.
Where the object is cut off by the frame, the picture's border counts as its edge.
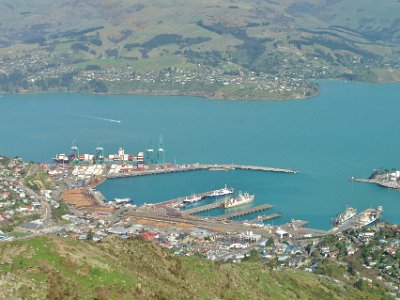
(350, 129)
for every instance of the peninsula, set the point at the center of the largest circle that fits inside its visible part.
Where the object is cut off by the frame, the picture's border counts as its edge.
(265, 50)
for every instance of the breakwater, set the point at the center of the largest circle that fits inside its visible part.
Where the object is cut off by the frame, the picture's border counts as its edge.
(199, 167)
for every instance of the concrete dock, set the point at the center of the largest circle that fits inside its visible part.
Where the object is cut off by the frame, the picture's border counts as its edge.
(244, 212)
(203, 208)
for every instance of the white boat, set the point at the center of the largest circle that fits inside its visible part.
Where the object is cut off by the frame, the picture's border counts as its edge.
(240, 200)
(342, 218)
(192, 199)
(122, 200)
(220, 192)
(370, 216)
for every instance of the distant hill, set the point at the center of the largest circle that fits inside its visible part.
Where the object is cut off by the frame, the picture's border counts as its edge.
(60, 268)
(307, 39)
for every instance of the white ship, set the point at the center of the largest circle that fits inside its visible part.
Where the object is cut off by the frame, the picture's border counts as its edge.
(370, 216)
(344, 216)
(122, 200)
(192, 199)
(220, 192)
(240, 200)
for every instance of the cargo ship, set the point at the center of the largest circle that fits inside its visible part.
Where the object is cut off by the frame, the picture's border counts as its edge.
(220, 192)
(369, 216)
(192, 199)
(240, 200)
(344, 216)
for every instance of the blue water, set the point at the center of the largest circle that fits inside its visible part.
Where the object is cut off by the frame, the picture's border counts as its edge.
(350, 129)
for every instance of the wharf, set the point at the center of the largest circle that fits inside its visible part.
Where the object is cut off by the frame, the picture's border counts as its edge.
(244, 212)
(265, 218)
(203, 208)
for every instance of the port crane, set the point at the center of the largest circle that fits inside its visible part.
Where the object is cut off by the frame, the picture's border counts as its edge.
(160, 152)
(99, 155)
(74, 153)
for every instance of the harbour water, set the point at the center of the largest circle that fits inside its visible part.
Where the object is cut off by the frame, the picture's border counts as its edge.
(348, 130)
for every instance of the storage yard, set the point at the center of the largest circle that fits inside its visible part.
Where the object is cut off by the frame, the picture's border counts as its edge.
(84, 199)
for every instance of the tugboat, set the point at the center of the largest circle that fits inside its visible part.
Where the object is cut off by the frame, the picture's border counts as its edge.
(344, 216)
(240, 200)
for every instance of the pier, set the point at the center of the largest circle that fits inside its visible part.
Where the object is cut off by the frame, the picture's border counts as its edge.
(203, 208)
(244, 212)
(264, 218)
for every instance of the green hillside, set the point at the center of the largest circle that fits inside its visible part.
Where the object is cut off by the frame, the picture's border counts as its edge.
(56, 268)
(130, 45)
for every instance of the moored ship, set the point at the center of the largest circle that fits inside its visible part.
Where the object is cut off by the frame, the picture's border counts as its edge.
(192, 199)
(220, 192)
(240, 200)
(346, 215)
(370, 216)
(122, 200)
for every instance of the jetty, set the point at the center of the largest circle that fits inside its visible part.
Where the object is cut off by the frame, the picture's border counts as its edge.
(244, 212)
(264, 218)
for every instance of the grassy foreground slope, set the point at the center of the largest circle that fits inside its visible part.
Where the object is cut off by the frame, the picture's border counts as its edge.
(56, 268)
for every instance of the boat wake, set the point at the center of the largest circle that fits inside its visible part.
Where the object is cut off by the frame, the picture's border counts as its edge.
(95, 118)
(104, 119)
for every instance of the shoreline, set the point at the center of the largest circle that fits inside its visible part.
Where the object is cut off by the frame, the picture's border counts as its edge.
(199, 94)
(140, 92)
